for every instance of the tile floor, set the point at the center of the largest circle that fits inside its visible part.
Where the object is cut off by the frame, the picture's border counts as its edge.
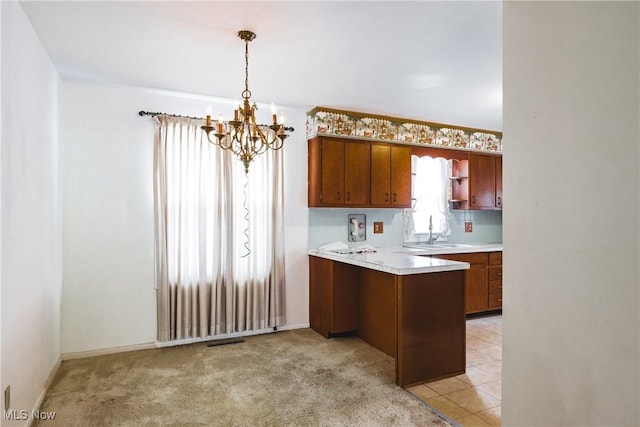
(474, 398)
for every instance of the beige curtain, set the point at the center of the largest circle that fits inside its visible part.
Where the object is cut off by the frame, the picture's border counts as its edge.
(219, 236)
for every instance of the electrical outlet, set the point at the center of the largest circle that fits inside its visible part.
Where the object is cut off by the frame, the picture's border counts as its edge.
(468, 227)
(7, 397)
(378, 227)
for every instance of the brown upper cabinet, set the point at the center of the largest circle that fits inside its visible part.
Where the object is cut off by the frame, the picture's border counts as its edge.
(344, 172)
(477, 182)
(498, 204)
(338, 172)
(354, 173)
(482, 181)
(390, 182)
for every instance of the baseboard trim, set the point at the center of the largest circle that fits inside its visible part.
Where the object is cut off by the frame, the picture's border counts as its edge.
(292, 327)
(105, 351)
(186, 341)
(158, 344)
(45, 389)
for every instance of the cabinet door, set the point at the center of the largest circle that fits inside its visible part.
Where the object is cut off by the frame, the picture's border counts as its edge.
(494, 271)
(333, 296)
(477, 290)
(476, 284)
(356, 173)
(381, 174)
(401, 177)
(320, 284)
(482, 181)
(332, 172)
(495, 287)
(498, 203)
(344, 298)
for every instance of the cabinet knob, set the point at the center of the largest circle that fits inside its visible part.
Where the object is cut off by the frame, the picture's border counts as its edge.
(348, 196)
(499, 201)
(339, 195)
(386, 197)
(394, 197)
(473, 200)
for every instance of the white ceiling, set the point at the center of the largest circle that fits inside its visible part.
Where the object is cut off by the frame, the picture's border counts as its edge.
(434, 61)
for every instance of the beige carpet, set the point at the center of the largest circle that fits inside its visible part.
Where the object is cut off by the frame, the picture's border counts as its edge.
(291, 378)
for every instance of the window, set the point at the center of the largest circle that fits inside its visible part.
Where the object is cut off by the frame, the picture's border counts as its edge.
(219, 236)
(430, 199)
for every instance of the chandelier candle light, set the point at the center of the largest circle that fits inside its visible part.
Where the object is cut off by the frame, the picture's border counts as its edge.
(243, 136)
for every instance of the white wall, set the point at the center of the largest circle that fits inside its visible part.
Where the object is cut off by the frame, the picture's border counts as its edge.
(108, 253)
(30, 218)
(571, 228)
(2, 36)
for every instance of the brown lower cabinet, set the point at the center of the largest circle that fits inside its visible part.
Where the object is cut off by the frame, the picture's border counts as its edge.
(333, 288)
(483, 280)
(495, 280)
(417, 319)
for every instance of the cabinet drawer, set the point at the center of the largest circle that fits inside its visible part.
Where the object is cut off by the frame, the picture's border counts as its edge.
(495, 300)
(479, 258)
(495, 258)
(495, 287)
(495, 273)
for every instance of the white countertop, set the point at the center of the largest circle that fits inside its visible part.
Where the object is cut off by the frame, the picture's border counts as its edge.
(404, 260)
(398, 263)
(450, 248)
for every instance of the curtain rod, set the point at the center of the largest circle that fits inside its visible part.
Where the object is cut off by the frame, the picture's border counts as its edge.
(153, 114)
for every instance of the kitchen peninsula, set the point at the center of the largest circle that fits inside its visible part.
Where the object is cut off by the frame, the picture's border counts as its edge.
(410, 307)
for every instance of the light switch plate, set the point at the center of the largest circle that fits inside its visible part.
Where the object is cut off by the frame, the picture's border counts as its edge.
(468, 227)
(357, 228)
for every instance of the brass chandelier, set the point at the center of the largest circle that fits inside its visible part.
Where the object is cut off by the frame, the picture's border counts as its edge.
(243, 136)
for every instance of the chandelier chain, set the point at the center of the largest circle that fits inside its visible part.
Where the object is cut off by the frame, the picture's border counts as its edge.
(246, 68)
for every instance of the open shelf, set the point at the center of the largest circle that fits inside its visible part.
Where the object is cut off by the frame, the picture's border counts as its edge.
(460, 185)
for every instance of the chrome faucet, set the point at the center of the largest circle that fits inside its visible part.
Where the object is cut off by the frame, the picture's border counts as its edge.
(431, 239)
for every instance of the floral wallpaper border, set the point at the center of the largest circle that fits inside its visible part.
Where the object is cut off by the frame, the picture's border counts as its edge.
(329, 121)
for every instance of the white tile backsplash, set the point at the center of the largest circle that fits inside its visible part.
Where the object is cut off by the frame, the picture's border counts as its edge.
(330, 224)
(487, 227)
